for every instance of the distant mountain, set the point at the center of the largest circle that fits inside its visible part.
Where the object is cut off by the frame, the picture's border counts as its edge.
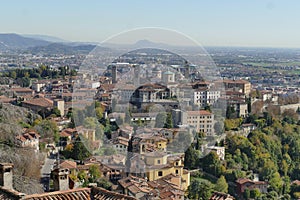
(150, 44)
(45, 38)
(59, 48)
(139, 44)
(14, 41)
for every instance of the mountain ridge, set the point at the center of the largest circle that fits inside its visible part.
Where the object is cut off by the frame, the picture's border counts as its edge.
(11, 41)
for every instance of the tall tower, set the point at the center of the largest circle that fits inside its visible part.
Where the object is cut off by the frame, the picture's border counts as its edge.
(168, 77)
(114, 73)
(156, 73)
(60, 178)
(6, 175)
(187, 71)
(136, 80)
(60, 105)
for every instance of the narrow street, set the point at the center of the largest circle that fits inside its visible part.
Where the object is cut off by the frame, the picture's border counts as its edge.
(46, 171)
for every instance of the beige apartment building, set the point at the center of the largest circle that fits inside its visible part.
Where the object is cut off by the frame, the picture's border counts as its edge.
(202, 120)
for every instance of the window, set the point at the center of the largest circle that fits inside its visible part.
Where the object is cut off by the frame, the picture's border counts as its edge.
(160, 173)
(176, 171)
(176, 163)
(158, 161)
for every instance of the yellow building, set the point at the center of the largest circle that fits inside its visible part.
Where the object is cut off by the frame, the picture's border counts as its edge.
(89, 134)
(160, 164)
(149, 142)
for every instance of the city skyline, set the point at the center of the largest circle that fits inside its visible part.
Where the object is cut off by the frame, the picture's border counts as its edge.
(231, 23)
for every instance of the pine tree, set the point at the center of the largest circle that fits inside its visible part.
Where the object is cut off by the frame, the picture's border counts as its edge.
(169, 121)
(221, 185)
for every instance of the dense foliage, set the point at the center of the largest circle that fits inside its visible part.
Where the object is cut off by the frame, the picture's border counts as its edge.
(271, 151)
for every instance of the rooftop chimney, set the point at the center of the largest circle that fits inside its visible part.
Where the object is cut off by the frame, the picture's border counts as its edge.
(6, 175)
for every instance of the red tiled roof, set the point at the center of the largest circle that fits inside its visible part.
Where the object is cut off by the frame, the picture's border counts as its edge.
(21, 138)
(8, 194)
(107, 87)
(21, 90)
(5, 99)
(68, 164)
(296, 182)
(199, 112)
(75, 194)
(221, 196)
(243, 180)
(246, 180)
(67, 132)
(64, 134)
(102, 194)
(42, 102)
(105, 95)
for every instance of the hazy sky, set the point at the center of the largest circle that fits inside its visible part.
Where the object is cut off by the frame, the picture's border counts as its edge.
(210, 22)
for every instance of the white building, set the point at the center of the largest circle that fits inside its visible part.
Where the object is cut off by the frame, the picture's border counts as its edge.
(28, 139)
(204, 96)
(220, 151)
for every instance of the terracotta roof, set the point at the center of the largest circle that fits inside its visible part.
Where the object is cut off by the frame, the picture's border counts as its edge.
(64, 134)
(28, 135)
(243, 180)
(107, 87)
(21, 138)
(221, 196)
(163, 188)
(95, 193)
(42, 102)
(31, 134)
(67, 132)
(166, 195)
(68, 164)
(296, 182)
(105, 95)
(75, 194)
(5, 99)
(8, 194)
(246, 180)
(199, 112)
(102, 194)
(21, 90)
(121, 140)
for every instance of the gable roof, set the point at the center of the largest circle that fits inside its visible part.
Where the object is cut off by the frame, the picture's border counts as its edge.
(8, 194)
(221, 196)
(68, 164)
(41, 102)
(75, 194)
(95, 193)
(199, 112)
(102, 194)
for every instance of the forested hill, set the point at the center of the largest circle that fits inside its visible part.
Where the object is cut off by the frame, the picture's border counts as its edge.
(271, 151)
